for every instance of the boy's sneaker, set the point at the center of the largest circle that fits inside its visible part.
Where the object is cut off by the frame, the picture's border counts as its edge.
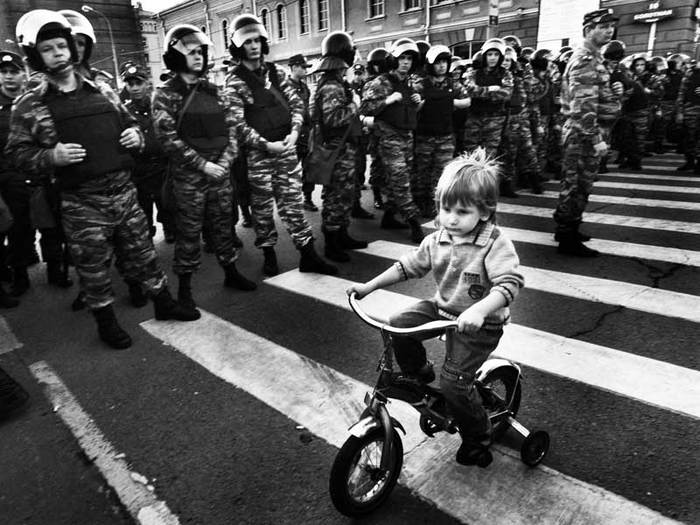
(470, 454)
(425, 375)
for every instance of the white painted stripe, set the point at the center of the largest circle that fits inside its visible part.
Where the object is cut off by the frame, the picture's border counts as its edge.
(665, 385)
(628, 201)
(8, 341)
(642, 176)
(327, 402)
(616, 248)
(618, 293)
(142, 504)
(659, 166)
(605, 218)
(647, 187)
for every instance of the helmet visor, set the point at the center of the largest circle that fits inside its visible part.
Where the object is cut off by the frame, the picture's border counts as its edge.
(192, 41)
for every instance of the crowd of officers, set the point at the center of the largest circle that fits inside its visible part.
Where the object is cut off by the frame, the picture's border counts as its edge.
(86, 167)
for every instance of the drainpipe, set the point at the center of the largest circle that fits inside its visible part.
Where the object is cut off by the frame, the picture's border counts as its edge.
(427, 20)
(206, 16)
(342, 15)
(254, 7)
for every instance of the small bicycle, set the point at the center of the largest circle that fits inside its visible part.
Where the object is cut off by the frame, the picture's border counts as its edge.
(368, 464)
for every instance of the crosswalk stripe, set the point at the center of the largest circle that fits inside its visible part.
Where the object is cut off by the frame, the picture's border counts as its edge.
(662, 166)
(642, 176)
(616, 248)
(8, 341)
(136, 497)
(327, 402)
(627, 201)
(665, 385)
(605, 218)
(647, 187)
(642, 298)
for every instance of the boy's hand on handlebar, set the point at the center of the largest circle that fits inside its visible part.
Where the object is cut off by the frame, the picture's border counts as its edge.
(360, 289)
(470, 320)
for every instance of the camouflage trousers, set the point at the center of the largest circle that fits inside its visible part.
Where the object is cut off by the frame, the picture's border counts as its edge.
(691, 128)
(377, 176)
(395, 148)
(484, 131)
(635, 137)
(518, 150)
(543, 143)
(276, 179)
(579, 169)
(554, 146)
(105, 223)
(432, 155)
(200, 200)
(338, 196)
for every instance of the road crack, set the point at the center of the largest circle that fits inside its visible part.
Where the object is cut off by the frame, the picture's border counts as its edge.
(656, 274)
(598, 323)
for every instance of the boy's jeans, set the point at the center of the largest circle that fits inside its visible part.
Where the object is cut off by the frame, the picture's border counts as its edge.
(465, 353)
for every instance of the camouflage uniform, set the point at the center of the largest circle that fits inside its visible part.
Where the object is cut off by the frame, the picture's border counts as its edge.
(302, 144)
(272, 178)
(335, 110)
(556, 123)
(485, 124)
(586, 99)
(197, 196)
(545, 108)
(101, 216)
(394, 144)
(435, 143)
(689, 106)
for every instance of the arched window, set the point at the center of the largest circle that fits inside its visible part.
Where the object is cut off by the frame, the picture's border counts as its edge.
(304, 16)
(265, 18)
(281, 22)
(203, 29)
(224, 32)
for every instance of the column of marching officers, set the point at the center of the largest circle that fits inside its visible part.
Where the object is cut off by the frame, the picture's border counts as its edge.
(86, 169)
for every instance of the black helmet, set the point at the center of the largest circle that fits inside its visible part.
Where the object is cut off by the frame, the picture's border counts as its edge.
(244, 27)
(179, 40)
(376, 61)
(614, 50)
(337, 51)
(540, 59)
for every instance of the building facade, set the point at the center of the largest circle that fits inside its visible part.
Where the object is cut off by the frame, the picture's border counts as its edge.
(120, 13)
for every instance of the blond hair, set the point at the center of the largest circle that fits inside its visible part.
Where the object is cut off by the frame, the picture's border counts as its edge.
(472, 180)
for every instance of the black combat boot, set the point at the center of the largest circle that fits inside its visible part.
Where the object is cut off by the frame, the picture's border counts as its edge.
(12, 396)
(688, 166)
(696, 170)
(416, 230)
(234, 279)
(247, 219)
(270, 267)
(136, 295)
(56, 275)
(165, 308)
(20, 283)
(109, 330)
(311, 262)
(184, 291)
(506, 189)
(378, 201)
(535, 183)
(6, 300)
(389, 222)
(5, 273)
(570, 244)
(332, 249)
(348, 242)
(358, 212)
(603, 166)
(79, 303)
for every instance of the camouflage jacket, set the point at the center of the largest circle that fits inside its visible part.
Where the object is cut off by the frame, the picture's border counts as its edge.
(478, 91)
(687, 96)
(586, 96)
(6, 168)
(238, 95)
(332, 107)
(446, 84)
(141, 110)
(33, 133)
(654, 86)
(377, 90)
(167, 103)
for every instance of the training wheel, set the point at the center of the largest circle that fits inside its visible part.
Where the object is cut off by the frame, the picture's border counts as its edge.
(534, 448)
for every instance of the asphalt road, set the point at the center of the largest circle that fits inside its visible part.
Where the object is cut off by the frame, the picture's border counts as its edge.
(182, 422)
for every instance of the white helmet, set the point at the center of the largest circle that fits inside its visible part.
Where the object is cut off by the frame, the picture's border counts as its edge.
(404, 45)
(496, 44)
(29, 25)
(435, 51)
(80, 24)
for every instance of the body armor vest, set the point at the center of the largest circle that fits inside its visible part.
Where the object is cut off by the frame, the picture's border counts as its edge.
(483, 107)
(269, 113)
(435, 118)
(204, 125)
(400, 115)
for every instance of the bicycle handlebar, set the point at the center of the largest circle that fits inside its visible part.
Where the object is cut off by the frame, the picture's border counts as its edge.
(427, 327)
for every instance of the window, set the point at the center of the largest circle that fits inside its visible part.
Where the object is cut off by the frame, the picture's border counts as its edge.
(322, 15)
(376, 8)
(411, 4)
(265, 18)
(281, 22)
(303, 16)
(203, 29)
(224, 32)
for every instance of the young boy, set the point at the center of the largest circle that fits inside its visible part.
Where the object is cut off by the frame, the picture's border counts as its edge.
(476, 271)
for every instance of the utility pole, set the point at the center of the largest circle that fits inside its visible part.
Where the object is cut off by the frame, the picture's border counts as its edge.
(492, 28)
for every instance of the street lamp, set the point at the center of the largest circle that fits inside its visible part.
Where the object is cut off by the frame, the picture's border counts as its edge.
(88, 9)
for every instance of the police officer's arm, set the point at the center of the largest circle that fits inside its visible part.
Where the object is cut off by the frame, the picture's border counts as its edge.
(377, 94)
(235, 90)
(337, 111)
(231, 152)
(503, 92)
(164, 105)
(132, 135)
(462, 99)
(23, 146)
(296, 105)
